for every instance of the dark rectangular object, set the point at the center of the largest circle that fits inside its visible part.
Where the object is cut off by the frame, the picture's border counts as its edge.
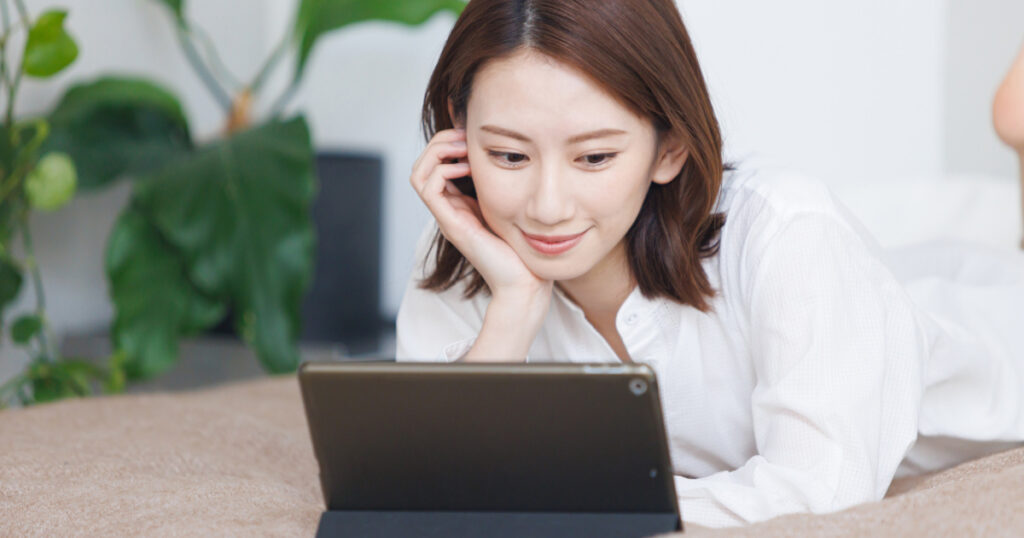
(366, 524)
(343, 304)
(465, 445)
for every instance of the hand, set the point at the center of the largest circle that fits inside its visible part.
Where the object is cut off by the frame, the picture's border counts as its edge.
(462, 223)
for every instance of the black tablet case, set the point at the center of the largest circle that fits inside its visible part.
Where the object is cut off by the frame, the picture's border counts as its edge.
(550, 449)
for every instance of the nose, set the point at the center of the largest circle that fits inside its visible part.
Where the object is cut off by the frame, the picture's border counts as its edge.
(552, 202)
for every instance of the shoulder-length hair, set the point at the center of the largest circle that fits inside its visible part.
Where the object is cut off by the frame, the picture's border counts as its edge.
(639, 52)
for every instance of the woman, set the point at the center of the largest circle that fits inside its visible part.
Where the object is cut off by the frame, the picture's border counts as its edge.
(584, 214)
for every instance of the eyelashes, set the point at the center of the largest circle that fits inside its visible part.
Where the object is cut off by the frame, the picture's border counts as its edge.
(597, 159)
(513, 160)
(508, 158)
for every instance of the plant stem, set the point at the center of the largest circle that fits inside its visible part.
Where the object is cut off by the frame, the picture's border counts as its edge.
(6, 16)
(219, 94)
(282, 101)
(17, 76)
(214, 58)
(3, 42)
(8, 30)
(37, 286)
(8, 185)
(268, 66)
(23, 12)
(9, 115)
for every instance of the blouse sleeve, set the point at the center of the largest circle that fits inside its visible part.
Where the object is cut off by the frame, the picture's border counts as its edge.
(838, 363)
(435, 326)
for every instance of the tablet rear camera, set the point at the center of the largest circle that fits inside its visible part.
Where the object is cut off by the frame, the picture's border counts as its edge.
(638, 386)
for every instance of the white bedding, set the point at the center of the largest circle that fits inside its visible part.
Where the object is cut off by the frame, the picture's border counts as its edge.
(977, 208)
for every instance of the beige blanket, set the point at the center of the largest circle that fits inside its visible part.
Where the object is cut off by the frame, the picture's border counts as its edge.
(237, 460)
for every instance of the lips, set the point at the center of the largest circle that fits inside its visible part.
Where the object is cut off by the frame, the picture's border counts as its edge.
(553, 244)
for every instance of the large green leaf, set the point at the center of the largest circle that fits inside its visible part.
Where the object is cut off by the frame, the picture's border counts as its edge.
(239, 213)
(318, 17)
(49, 48)
(115, 126)
(154, 300)
(25, 327)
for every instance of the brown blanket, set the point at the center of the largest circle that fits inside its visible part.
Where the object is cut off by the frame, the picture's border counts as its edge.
(237, 460)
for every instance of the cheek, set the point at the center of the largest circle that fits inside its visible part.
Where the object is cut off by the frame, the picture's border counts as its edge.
(498, 208)
(618, 198)
(500, 196)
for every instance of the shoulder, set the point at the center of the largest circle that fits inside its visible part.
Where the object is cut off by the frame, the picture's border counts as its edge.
(760, 199)
(771, 209)
(754, 190)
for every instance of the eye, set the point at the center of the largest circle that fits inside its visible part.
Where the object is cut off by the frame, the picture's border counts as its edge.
(597, 159)
(508, 158)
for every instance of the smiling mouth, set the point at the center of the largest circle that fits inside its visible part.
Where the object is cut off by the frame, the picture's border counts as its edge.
(553, 244)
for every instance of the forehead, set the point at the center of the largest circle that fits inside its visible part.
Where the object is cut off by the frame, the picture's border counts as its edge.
(534, 93)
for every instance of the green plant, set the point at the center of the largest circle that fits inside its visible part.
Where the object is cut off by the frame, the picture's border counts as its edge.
(224, 225)
(28, 183)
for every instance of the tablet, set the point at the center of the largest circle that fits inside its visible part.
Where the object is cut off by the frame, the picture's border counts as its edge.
(531, 438)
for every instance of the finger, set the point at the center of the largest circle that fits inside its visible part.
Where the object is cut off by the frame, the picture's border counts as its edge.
(445, 137)
(448, 135)
(434, 197)
(474, 206)
(450, 150)
(437, 180)
(442, 138)
(432, 157)
(451, 188)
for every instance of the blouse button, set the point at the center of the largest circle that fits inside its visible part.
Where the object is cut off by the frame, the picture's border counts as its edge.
(631, 319)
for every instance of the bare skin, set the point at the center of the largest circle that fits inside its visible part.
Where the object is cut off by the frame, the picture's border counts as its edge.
(1008, 114)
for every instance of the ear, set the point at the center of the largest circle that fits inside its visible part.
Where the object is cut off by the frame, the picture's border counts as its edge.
(451, 114)
(672, 155)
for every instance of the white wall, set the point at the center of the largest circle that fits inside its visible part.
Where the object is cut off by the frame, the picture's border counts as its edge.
(982, 37)
(846, 90)
(841, 89)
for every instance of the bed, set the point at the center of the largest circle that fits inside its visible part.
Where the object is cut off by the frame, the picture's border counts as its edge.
(236, 459)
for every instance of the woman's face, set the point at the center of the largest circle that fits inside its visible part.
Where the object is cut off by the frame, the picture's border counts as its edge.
(560, 167)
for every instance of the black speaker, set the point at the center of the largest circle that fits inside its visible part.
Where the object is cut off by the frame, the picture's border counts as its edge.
(343, 304)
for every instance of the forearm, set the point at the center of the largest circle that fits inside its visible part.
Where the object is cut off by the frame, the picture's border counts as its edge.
(510, 326)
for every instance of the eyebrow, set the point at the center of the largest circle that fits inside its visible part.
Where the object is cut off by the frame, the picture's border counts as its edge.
(575, 139)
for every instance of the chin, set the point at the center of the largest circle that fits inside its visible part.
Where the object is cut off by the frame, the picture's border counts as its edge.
(557, 270)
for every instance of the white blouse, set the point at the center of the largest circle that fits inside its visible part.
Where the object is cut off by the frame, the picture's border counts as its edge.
(827, 367)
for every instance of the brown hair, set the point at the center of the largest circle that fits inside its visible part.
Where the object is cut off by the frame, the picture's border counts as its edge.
(638, 51)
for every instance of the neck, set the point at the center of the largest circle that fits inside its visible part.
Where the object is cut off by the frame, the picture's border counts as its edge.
(602, 290)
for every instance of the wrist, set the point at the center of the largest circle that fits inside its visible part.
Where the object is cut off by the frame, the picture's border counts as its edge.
(510, 325)
(525, 303)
